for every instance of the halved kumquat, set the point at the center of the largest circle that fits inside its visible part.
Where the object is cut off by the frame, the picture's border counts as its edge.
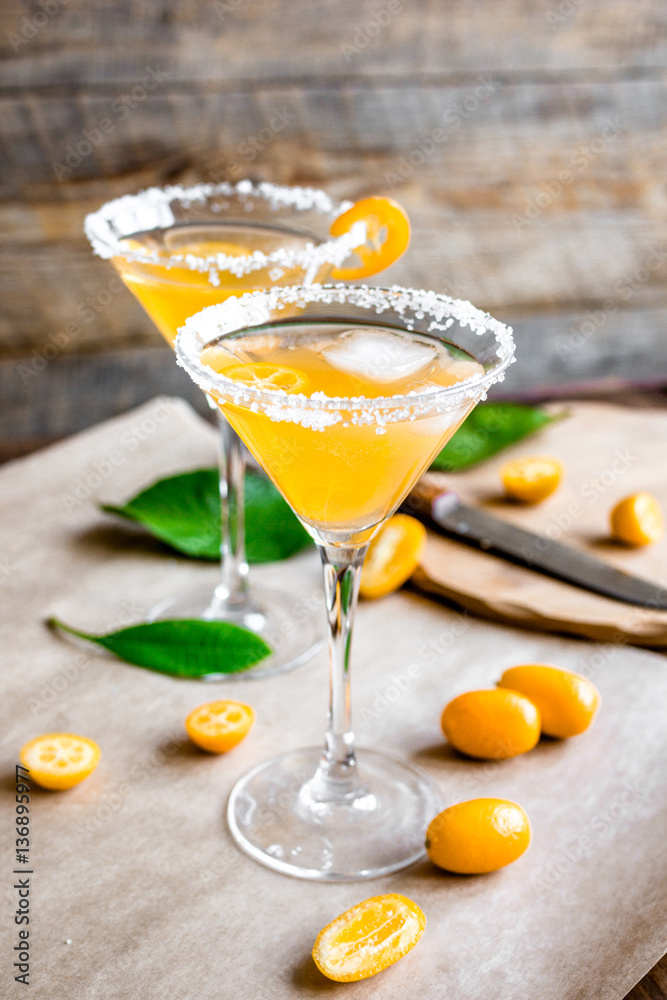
(387, 236)
(531, 480)
(368, 938)
(218, 726)
(60, 760)
(637, 520)
(392, 556)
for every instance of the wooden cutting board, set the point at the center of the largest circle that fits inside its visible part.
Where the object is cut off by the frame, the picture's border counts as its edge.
(608, 452)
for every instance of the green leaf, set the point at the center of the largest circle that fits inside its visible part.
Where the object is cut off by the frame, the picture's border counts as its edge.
(187, 648)
(184, 512)
(272, 529)
(489, 428)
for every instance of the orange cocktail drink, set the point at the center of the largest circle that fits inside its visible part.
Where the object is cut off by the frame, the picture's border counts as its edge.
(344, 395)
(181, 249)
(336, 469)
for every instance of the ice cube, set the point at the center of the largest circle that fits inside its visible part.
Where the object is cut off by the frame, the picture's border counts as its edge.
(379, 357)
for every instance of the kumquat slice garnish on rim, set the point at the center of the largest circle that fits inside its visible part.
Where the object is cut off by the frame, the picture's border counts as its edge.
(60, 760)
(264, 375)
(387, 236)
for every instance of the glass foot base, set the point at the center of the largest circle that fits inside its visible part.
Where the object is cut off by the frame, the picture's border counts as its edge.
(290, 627)
(380, 830)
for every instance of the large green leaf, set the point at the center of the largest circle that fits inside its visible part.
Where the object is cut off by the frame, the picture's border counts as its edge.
(489, 428)
(186, 648)
(184, 512)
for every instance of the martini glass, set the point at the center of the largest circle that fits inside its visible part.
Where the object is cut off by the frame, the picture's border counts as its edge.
(344, 395)
(181, 249)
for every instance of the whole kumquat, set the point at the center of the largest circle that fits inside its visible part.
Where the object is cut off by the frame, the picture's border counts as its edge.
(567, 701)
(478, 836)
(491, 724)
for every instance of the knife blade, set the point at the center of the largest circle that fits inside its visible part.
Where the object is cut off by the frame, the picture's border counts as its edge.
(445, 512)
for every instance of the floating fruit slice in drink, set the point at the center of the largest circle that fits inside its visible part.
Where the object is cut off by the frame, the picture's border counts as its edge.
(368, 938)
(387, 236)
(478, 836)
(60, 760)
(531, 480)
(263, 375)
(393, 556)
(491, 724)
(567, 701)
(637, 520)
(219, 725)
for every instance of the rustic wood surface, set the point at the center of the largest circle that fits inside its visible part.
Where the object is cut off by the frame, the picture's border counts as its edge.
(527, 140)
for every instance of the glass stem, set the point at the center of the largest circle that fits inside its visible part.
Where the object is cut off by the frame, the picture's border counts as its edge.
(232, 591)
(337, 778)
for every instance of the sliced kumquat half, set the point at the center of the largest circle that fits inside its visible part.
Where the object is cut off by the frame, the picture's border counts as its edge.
(60, 760)
(637, 520)
(387, 236)
(392, 556)
(531, 480)
(218, 726)
(368, 938)
(264, 375)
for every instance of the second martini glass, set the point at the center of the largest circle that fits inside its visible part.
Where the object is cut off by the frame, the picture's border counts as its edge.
(344, 396)
(180, 249)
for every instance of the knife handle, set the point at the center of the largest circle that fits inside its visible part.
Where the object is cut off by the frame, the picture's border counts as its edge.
(419, 502)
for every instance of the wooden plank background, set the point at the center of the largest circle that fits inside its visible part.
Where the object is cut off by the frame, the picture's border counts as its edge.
(527, 140)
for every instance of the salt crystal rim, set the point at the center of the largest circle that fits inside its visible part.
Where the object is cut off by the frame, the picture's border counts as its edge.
(152, 209)
(256, 309)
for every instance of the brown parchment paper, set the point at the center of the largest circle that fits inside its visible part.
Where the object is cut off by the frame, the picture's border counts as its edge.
(138, 891)
(608, 452)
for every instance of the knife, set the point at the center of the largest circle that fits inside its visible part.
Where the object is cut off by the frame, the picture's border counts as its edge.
(444, 512)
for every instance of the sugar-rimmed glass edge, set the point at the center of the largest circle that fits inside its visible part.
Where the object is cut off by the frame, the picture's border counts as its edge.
(257, 309)
(151, 209)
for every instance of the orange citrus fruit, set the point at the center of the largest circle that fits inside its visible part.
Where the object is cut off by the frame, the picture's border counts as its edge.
(567, 701)
(264, 375)
(531, 480)
(491, 724)
(478, 836)
(392, 556)
(219, 725)
(60, 760)
(368, 938)
(387, 236)
(637, 520)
